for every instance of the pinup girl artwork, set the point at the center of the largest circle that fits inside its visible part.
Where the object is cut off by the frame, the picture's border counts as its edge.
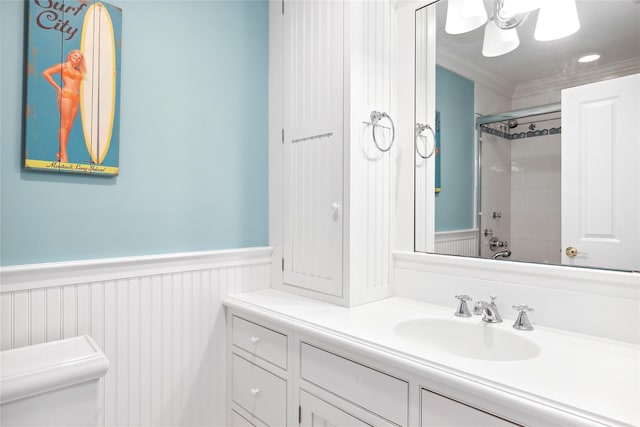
(73, 87)
(72, 72)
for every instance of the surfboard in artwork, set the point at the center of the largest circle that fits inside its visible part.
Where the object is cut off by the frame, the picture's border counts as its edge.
(73, 87)
(98, 94)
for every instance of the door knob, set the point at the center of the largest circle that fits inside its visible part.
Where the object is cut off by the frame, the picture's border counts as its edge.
(572, 252)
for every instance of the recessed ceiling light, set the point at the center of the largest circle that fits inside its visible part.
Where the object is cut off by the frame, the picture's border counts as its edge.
(589, 57)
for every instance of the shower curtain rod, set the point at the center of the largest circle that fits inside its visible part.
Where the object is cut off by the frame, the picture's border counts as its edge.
(517, 114)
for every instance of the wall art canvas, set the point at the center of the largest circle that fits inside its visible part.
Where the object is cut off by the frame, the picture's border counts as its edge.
(73, 86)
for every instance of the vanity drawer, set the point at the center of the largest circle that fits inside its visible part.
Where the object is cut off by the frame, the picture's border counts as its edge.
(259, 392)
(263, 342)
(440, 411)
(373, 390)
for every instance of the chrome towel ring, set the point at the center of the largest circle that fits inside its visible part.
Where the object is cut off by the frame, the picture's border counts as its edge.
(419, 129)
(375, 118)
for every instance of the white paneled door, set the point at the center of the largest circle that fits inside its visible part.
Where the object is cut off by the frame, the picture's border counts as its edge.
(313, 145)
(600, 174)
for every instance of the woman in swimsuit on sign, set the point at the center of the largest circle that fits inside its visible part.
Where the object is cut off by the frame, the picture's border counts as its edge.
(72, 72)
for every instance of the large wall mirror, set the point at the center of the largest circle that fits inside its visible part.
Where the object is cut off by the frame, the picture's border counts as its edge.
(529, 150)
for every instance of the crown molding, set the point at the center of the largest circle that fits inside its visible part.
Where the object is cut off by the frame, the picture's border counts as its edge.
(578, 78)
(533, 88)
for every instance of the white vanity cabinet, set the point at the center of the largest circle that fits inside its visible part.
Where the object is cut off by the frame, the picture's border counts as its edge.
(277, 377)
(324, 364)
(281, 376)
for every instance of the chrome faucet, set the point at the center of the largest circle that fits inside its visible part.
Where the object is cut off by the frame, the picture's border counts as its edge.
(502, 254)
(489, 310)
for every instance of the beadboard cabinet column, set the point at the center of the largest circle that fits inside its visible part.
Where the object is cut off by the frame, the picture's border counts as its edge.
(330, 66)
(312, 145)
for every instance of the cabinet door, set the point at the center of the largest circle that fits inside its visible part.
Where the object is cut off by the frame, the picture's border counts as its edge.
(313, 145)
(315, 412)
(441, 411)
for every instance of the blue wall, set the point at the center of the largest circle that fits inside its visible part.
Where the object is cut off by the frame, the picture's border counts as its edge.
(454, 208)
(193, 141)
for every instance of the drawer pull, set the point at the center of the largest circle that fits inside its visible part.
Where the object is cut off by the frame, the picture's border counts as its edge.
(254, 340)
(255, 391)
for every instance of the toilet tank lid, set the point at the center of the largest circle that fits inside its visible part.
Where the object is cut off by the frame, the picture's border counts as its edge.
(27, 371)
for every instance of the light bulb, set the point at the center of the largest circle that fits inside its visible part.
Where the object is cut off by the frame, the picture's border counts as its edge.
(498, 41)
(589, 57)
(557, 19)
(464, 16)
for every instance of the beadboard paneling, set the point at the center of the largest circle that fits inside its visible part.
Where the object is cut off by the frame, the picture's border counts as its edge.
(463, 243)
(311, 220)
(370, 38)
(163, 332)
(312, 145)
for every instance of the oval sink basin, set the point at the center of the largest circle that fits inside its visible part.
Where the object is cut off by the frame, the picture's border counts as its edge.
(468, 338)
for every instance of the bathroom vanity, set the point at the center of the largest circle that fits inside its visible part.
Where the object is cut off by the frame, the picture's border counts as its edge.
(344, 225)
(401, 362)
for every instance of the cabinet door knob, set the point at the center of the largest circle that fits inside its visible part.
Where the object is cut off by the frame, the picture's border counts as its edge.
(255, 391)
(335, 209)
(254, 340)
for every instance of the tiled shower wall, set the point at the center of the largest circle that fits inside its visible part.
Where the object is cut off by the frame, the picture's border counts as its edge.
(521, 182)
(535, 196)
(159, 320)
(496, 195)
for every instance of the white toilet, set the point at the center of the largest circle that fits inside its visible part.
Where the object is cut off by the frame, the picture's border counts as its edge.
(55, 383)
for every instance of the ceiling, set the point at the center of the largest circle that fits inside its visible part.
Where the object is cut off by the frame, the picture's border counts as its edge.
(611, 27)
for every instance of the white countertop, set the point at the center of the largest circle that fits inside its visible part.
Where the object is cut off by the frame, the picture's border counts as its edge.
(591, 377)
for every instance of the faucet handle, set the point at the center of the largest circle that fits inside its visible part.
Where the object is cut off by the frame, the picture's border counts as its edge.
(493, 299)
(463, 310)
(522, 322)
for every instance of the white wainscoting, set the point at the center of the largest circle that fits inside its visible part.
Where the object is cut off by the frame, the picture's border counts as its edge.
(462, 242)
(159, 320)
